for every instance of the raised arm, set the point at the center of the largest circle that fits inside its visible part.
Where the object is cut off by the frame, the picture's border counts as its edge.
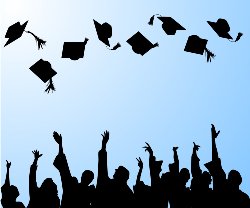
(102, 160)
(58, 139)
(154, 173)
(32, 176)
(61, 162)
(140, 165)
(214, 135)
(7, 179)
(176, 160)
(195, 162)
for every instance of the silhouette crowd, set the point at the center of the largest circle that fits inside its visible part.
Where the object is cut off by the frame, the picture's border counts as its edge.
(167, 189)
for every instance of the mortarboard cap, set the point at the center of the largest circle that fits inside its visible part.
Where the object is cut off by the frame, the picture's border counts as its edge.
(170, 26)
(197, 45)
(74, 50)
(14, 32)
(44, 71)
(221, 27)
(140, 44)
(104, 32)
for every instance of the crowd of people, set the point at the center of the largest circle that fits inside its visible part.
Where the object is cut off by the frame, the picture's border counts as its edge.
(167, 189)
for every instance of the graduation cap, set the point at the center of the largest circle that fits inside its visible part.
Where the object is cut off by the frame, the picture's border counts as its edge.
(16, 30)
(74, 50)
(44, 71)
(197, 45)
(221, 27)
(140, 44)
(170, 26)
(104, 32)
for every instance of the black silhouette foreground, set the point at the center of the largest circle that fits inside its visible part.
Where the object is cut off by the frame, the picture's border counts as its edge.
(165, 190)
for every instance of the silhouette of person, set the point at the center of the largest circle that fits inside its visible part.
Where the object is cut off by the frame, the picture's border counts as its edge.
(226, 190)
(142, 192)
(202, 195)
(180, 195)
(74, 194)
(10, 192)
(113, 192)
(159, 195)
(47, 194)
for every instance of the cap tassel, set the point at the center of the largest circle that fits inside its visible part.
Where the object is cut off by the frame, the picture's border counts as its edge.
(156, 45)
(237, 38)
(118, 45)
(209, 55)
(50, 86)
(39, 41)
(151, 21)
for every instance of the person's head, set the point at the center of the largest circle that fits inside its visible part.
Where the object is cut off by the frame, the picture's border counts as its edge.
(206, 178)
(184, 175)
(234, 178)
(166, 177)
(121, 174)
(87, 177)
(49, 187)
(14, 193)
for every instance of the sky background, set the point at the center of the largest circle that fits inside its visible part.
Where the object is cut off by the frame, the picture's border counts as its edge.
(167, 97)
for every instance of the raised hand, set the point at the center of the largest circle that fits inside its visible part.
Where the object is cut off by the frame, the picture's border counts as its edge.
(57, 137)
(175, 148)
(196, 147)
(140, 163)
(214, 132)
(148, 148)
(105, 139)
(8, 164)
(36, 154)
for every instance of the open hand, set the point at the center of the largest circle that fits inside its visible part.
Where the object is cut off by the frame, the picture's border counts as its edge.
(8, 164)
(196, 147)
(140, 163)
(148, 148)
(214, 132)
(36, 154)
(57, 137)
(175, 148)
(105, 138)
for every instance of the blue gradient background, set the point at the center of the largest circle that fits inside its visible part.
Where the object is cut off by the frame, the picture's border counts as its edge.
(168, 97)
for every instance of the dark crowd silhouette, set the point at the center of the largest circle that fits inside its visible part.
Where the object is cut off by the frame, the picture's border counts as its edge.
(165, 190)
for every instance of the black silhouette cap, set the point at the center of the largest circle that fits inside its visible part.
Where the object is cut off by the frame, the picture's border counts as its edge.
(14, 32)
(170, 26)
(74, 50)
(195, 44)
(45, 72)
(104, 31)
(221, 27)
(140, 44)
